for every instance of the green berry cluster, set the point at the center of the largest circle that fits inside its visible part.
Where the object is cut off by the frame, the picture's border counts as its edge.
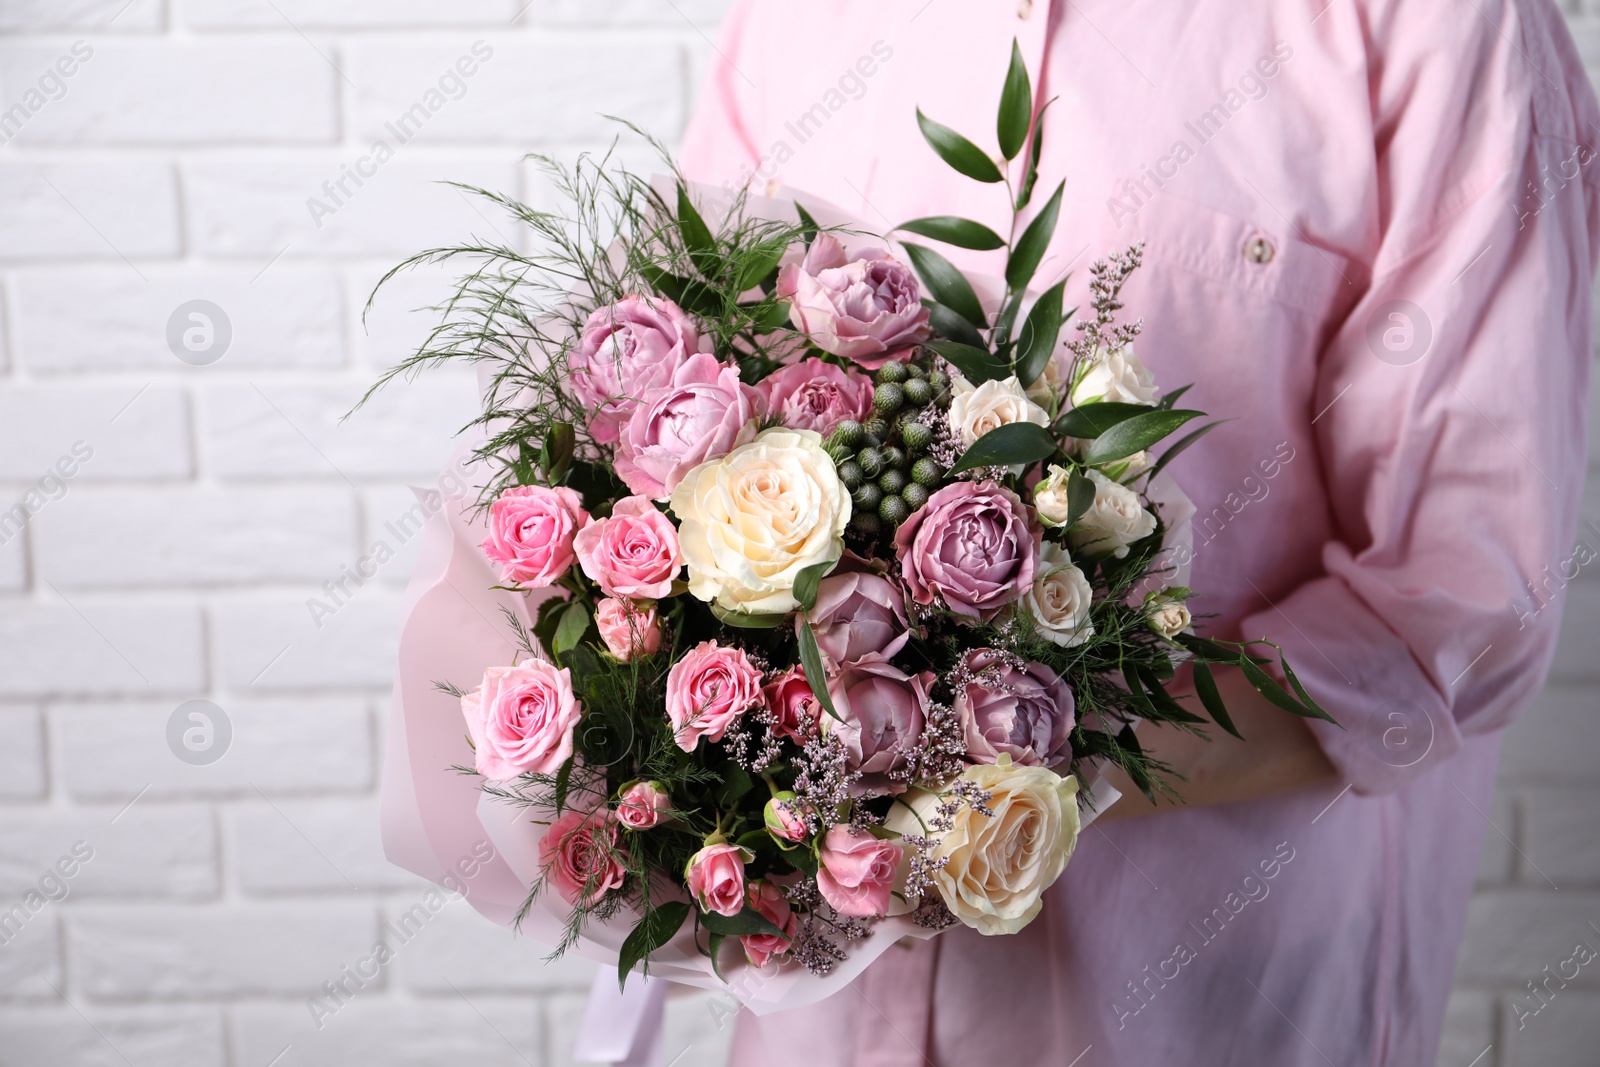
(882, 461)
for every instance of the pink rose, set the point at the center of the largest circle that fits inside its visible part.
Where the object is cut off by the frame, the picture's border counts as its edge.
(867, 309)
(793, 705)
(628, 629)
(813, 395)
(884, 710)
(716, 878)
(531, 530)
(782, 818)
(634, 553)
(857, 872)
(858, 615)
(972, 545)
(521, 719)
(771, 904)
(1026, 714)
(642, 805)
(707, 690)
(704, 413)
(579, 856)
(624, 351)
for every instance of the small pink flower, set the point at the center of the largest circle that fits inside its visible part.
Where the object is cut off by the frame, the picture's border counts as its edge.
(579, 856)
(704, 413)
(868, 309)
(628, 629)
(643, 805)
(716, 878)
(709, 688)
(633, 553)
(793, 705)
(857, 872)
(521, 719)
(973, 545)
(531, 530)
(782, 817)
(625, 350)
(813, 395)
(770, 903)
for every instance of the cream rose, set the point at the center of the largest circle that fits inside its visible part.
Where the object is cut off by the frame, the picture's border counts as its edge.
(1060, 599)
(754, 519)
(975, 410)
(1168, 616)
(1114, 521)
(1050, 496)
(1051, 385)
(1116, 375)
(998, 867)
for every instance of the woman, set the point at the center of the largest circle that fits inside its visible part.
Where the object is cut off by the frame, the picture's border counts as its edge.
(1370, 231)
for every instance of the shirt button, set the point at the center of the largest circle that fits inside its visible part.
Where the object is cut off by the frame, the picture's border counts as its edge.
(1259, 250)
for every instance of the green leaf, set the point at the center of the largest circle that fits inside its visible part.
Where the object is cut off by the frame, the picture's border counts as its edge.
(559, 443)
(977, 365)
(1269, 688)
(1205, 685)
(748, 921)
(713, 950)
(952, 230)
(1305, 697)
(947, 323)
(947, 284)
(957, 151)
(763, 261)
(570, 630)
(1131, 435)
(1183, 443)
(806, 582)
(1030, 247)
(654, 929)
(685, 292)
(1169, 399)
(811, 663)
(1040, 331)
(773, 316)
(1017, 442)
(1031, 174)
(808, 225)
(746, 620)
(1016, 106)
(563, 783)
(1080, 496)
(1092, 420)
(1170, 709)
(697, 235)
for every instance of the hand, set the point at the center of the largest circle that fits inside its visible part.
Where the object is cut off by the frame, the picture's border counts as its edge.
(1279, 754)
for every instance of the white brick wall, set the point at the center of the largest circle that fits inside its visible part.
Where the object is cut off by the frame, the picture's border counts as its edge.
(176, 560)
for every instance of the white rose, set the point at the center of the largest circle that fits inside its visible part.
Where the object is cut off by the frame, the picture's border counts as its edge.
(1167, 615)
(1114, 521)
(1050, 496)
(754, 519)
(974, 411)
(1060, 599)
(1128, 468)
(1117, 376)
(1051, 384)
(998, 867)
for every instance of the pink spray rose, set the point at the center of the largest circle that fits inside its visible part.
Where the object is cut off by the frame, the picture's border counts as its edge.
(531, 530)
(1026, 714)
(858, 615)
(813, 395)
(857, 872)
(716, 878)
(709, 688)
(782, 818)
(793, 705)
(579, 856)
(972, 545)
(628, 629)
(521, 719)
(633, 553)
(884, 710)
(704, 413)
(868, 309)
(771, 904)
(642, 805)
(626, 350)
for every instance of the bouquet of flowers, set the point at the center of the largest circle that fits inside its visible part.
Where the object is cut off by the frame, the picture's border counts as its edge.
(832, 576)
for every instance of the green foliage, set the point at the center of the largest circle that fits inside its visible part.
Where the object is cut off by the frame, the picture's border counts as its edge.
(1017, 442)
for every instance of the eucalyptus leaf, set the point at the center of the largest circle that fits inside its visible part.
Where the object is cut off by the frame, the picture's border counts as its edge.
(746, 620)
(749, 921)
(1169, 399)
(957, 151)
(1080, 496)
(1305, 697)
(1031, 174)
(1016, 106)
(697, 235)
(1269, 688)
(773, 316)
(807, 581)
(808, 225)
(564, 783)
(1183, 443)
(946, 323)
(654, 929)
(1132, 435)
(1040, 331)
(1170, 709)
(811, 663)
(953, 230)
(570, 630)
(1031, 246)
(713, 950)
(1092, 420)
(763, 261)
(1016, 442)
(1205, 685)
(977, 365)
(946, 284)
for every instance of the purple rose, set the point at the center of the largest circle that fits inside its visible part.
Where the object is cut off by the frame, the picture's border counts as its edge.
(624, 351)
(813, 395)
(858, 616)
(884, 710)
(972, 545)
(703, 414)
(867, 309)
(1025, 713)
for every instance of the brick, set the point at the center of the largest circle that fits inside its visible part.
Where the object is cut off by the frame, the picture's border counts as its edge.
(462, 948)
(30, 952)
(291, 846)
(518, 92)
(407, 430)
(1468, 1030)
(101, 16)
(1575, 659)
(107, 211)
(112, 752)
(102, 318)
(274, 645)
(1566, 1032)
(349, 14)
(154, 953)
(1559, 835)
(172, 1036)
(125, 432)
(485, 1032)
(1555, 740)
(688, 15)
(257, 208)
(401, 314)
(148, 850)
(22, 766)
(165, 93)
(51, 650)
(1512, 934)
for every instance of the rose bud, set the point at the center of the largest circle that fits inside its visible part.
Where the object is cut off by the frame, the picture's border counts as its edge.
(643, 805)
(715, 876)
(782, 816)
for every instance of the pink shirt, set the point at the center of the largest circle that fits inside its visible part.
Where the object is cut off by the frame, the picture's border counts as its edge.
(1370, 234)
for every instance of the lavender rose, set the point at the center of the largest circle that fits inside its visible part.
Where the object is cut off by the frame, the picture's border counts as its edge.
(813, 395)
(867, 309)
(883, 711)
(972, 545)
(704, 413)
(1025, 713)
(625, 350)
(858, 616)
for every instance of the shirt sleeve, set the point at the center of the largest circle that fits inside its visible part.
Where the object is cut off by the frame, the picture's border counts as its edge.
(1449, 410)
(718, 146)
